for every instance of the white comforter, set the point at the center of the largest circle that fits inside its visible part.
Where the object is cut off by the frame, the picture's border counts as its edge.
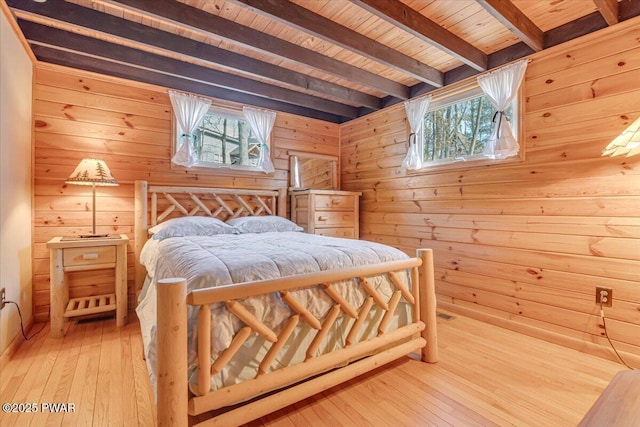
(225, 259)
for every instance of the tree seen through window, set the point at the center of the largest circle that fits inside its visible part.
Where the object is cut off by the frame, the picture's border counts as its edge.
(226, 140)
(458, 130)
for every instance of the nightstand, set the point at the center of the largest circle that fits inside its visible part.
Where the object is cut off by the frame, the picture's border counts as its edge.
(78, 254)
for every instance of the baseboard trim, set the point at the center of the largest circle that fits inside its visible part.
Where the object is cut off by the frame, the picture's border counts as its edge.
(591, 348)
(15, 344)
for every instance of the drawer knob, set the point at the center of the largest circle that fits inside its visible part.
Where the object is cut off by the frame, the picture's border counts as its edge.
(322, 218)
(335, 201)
(90, 255)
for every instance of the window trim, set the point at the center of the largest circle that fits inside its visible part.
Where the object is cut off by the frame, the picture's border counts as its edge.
(212, 166)
(450, 95)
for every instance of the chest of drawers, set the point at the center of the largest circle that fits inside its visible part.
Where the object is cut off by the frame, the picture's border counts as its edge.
(327, 212)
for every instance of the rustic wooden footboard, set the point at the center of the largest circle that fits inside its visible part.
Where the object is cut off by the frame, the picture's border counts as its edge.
(174, 404)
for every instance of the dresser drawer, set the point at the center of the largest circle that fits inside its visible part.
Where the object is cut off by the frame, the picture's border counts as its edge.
(344, 232)
(334, 202)
(334, 219)
(89, 256)
(302, 201)
(327, 212)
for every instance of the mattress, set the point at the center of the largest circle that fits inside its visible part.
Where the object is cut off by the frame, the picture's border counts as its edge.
(208, 261)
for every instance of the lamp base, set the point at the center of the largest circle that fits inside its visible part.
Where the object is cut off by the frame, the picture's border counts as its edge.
(93, 236)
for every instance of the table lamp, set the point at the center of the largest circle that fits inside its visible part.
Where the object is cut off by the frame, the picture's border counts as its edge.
(92, 172)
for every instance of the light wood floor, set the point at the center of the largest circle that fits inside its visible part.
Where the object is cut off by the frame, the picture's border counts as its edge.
(486, 376)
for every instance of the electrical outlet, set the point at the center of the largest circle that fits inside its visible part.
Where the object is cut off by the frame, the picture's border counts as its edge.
(604, 296)
(2, 296)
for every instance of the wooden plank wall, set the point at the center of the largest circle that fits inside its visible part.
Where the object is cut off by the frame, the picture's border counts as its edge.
(523, 245)
(127, 124)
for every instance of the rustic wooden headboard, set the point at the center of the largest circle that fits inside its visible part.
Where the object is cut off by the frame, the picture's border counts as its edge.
(168, 202)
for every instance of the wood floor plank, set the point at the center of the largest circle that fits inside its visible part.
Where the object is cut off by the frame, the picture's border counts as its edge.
(378, 385)
(21, 362)
(56, 390)
(80, 383)
(115, 411)
(129, 405)
(368, 408)
(144, 397)
(87, 402)
(481, 401)
(561, 385)
(487, 376)
(349, 414)
(276, 420)
(316, 408)
(108, 380)
(432, 401)
(304, 415)
(31, 388)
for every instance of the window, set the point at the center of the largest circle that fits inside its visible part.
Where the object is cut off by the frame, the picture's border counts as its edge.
(458, 125)
(224, 139)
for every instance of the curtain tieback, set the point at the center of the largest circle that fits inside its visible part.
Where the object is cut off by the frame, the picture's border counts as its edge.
(412, 134)
(500, 115)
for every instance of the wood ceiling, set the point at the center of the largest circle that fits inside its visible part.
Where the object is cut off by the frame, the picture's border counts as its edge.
(329, 59)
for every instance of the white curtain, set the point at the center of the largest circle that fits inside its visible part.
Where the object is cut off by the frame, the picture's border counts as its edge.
(415, 109)
(501, 87)
(261, 122)
(189, 111)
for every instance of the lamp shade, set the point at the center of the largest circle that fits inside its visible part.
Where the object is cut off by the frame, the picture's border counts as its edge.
(92, 172)
(627, 143)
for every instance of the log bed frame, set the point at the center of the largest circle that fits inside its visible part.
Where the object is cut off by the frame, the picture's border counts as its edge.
(317, 372)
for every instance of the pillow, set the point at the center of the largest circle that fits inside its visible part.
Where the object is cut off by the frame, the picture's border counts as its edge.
(262, 224)
(190, 226)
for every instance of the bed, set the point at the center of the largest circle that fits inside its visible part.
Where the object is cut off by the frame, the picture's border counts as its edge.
(248, 322)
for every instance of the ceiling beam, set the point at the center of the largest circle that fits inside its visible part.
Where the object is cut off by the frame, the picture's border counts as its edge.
(304, 20)
(87, 18)
(49, 36)
(496, 59)
(516, 21)
(628, 9)
(253, 39)
(608, 9)
(574, 29)
(587, 24)
(81, 61)
(418, 25)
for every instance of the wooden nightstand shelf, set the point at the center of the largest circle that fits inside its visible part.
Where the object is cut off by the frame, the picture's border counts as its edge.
(67, 255)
